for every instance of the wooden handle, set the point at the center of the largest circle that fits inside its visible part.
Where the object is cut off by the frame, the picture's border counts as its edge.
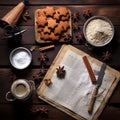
(92, 101)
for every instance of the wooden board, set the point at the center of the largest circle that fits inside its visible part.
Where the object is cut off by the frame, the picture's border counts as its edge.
(52, 70)
(38, 36)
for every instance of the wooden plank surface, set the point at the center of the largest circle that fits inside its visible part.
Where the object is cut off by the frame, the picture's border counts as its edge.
(104, 10)
(11, 111)
(22, 112)
(97, 53)
(47, 2)
(28, 37)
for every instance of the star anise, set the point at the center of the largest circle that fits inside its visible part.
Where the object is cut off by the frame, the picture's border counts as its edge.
(79, 36)
(37, 77)
(43, 71)
(87, 13)
(60, 72)
(75, 16)
(43, 58)
(38, 109)
(106, 56)
(44, 111)
(76, 26)
(26, 16)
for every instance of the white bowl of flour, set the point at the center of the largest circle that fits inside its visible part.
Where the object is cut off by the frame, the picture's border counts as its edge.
(20, 58)
(98, 31)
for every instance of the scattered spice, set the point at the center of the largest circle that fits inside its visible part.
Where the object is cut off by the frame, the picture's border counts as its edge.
(38, 76)
(79, 36)
(75, 16)
(26, 16)
(76, 26)
(60, 72)
(67, 37)
(43, 58)
(33, 48)
(47, 82)
(43, 71)
(87, 13)
(13, 77)
(89, 46)
(38, 109)
(106, 56)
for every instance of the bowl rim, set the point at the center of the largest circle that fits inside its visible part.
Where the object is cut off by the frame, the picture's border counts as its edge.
(19, 49)
(103, 18)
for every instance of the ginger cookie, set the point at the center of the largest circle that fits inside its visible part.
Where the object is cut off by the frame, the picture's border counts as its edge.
(49, 11)
(65, 18)
(39, 29)
(53, 37)
(58, 30)
(65, 25)
(63, 11)
(56, 16)
(51, 23)
(41, 21)
(41, 12)
(46, 30)
(44, 36)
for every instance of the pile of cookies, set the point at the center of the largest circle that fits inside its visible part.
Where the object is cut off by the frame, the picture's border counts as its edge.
(52, 23)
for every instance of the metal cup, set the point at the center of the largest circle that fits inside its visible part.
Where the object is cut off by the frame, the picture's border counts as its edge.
(21, 89)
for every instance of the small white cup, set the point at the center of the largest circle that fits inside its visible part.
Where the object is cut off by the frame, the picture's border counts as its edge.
(21, 89)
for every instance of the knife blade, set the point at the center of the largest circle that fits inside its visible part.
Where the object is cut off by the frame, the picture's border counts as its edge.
(10, 36)
(95, 91)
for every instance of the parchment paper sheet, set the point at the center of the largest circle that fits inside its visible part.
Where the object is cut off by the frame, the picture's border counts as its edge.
(74, 91)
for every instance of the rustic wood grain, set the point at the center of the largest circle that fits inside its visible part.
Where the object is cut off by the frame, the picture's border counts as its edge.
(49, 2)
(11, 111)
(104, 10)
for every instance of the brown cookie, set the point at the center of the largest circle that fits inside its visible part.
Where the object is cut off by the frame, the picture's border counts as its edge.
(44, 36)
(51, 23)
(41, 21)
(65, 25)
(53, 37)
(46, 30)
(39, 29)
(41, 12)
(63, 11)
(65, 18)
(49, 11)
(56, 16)
(58, 30)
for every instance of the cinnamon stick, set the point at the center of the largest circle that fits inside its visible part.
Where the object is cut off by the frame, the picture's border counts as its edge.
(89, 69)
(46, 47)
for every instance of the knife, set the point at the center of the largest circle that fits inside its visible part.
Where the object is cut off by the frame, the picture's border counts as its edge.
(95, 91)
(10, 36)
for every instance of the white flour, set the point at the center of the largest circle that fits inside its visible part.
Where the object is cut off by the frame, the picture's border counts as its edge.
(98, 31)
(21, 59)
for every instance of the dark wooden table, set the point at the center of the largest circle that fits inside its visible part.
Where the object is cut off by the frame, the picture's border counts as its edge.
(22, 111)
